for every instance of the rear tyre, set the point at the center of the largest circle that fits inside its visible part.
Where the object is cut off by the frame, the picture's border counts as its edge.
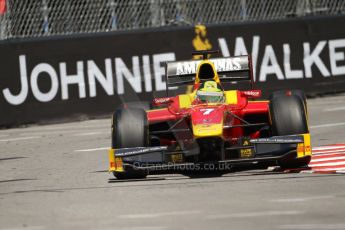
(129, 129)
(295, 92)
(145, 105)
(288, 117)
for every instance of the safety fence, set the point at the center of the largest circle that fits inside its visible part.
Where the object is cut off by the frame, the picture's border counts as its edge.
(70, 77)
(36, 18)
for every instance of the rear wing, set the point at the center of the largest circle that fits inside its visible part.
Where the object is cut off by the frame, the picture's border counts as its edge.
(229, 69)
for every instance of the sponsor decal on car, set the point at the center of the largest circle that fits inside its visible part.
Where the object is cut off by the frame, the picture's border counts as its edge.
(177, 158)
(279, 139)
(252, 93)
(246, 152)
(220, 64)
(125, 152)
(162, 100)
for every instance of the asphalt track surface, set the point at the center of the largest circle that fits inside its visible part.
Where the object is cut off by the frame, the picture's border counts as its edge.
(54, 177)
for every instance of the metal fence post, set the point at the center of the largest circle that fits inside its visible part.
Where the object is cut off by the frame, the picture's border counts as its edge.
(45, 14)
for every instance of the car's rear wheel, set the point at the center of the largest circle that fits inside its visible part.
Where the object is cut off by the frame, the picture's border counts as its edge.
(145, 105)
(295, 92)
(130, 129)
(288, 117)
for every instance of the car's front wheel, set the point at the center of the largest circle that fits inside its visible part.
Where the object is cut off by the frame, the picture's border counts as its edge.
(288, 116)
(130, 129)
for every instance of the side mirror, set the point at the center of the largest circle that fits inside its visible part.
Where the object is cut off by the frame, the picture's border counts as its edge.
(163, 101)
(255, 93)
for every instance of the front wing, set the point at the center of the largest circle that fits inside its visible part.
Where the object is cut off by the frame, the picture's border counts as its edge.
(260, 150)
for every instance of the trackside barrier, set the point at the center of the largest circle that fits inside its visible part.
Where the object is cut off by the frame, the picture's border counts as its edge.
(68, 77)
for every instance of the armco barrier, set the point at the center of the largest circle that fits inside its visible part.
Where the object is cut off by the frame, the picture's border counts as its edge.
(89, 75)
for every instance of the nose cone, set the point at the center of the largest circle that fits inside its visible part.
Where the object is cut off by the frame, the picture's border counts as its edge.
(208, 130)
(207, 121)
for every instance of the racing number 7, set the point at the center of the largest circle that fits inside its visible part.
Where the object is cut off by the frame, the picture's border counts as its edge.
(206, 111)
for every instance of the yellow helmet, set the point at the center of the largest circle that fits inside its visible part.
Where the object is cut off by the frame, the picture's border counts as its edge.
(210, 86)
(210, 93)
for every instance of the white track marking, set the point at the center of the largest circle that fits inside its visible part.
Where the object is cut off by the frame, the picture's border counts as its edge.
(301, 199)
(91, 150)
(328, 152)
(255, 214)
(63, 127)
(19, 138)
(326, 164)
(65, 132)
(75, 129)
(337, 169)
(312, 227)
(334, 109)
(143, 228)
(25, 228)
(317, 156)
(157, 215)
(329, 147)
(87, 134)
(327, 159)
(327, 125)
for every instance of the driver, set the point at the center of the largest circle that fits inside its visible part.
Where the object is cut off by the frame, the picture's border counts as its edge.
(210, 92)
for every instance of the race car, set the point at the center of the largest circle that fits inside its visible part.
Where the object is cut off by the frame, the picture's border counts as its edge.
(210, 127)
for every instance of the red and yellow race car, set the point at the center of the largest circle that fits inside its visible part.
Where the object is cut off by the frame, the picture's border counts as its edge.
(210, 128)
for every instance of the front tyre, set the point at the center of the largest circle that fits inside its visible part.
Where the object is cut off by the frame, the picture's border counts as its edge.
(129, 129)
(288, 117)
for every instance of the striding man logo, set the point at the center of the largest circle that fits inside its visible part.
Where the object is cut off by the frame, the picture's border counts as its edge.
(200, 41)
